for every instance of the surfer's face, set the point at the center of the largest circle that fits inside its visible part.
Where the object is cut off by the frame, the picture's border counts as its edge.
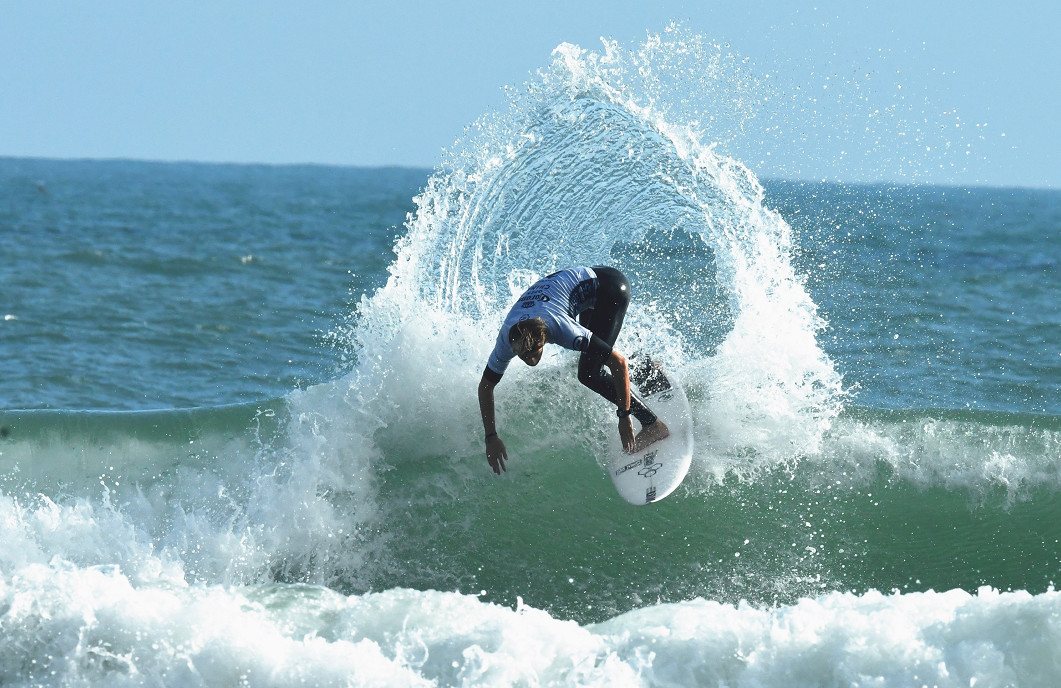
(532, 356)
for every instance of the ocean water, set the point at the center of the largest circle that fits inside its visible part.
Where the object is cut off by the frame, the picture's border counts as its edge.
(240, 443)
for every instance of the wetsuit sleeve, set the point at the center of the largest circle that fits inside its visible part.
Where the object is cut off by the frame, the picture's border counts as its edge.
(598, 347)
(490, 376)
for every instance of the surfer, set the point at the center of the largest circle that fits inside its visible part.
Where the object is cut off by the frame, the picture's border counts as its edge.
(546, 313)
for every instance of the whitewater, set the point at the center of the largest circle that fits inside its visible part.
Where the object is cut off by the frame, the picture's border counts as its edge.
(204, 481)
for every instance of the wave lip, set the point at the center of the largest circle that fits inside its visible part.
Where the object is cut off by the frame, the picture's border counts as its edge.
(46, 448)
(978, 452)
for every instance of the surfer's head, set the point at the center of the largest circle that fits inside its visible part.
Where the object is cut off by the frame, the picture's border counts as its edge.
(527, 339)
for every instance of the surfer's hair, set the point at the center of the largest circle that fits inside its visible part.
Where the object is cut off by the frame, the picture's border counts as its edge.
(527, 335)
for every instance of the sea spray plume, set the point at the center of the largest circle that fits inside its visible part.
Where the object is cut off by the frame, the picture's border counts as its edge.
(579, 164)
(584, 167)
(773, 390)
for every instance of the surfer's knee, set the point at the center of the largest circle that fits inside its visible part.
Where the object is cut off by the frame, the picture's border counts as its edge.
(613, 287)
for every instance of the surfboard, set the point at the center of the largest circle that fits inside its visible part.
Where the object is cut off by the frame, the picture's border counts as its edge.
(651, 474)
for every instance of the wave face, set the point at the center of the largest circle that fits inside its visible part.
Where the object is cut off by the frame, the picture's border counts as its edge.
(349, 532)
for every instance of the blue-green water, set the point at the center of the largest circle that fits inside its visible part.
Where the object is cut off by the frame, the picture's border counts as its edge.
(132, 286)
(240, 444)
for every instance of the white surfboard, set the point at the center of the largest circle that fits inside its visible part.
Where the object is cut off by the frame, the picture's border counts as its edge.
(651, 474)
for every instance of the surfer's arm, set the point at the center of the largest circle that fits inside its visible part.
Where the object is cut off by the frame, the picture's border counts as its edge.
(616, 363)
(496, 454)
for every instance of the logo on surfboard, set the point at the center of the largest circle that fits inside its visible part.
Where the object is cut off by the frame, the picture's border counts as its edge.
(647, 464)
(650, 465)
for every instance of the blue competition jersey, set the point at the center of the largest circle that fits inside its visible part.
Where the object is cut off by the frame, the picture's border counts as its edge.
(556, 299)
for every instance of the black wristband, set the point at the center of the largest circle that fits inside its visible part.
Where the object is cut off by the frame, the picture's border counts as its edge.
(623, 414)
(493, 434)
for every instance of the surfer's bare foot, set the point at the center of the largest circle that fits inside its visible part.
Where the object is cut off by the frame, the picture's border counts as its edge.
(649, 435)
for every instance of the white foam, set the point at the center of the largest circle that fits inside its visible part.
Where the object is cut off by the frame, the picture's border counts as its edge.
(933, 639)
(70, 626)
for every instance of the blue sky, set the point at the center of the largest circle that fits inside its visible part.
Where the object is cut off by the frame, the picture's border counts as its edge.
(366, 83)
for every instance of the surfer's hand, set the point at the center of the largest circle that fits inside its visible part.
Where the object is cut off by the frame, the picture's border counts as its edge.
(496, 454)
(626, 434)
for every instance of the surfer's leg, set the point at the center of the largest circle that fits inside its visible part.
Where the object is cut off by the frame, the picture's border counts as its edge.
(593, 374)
(605, 320)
